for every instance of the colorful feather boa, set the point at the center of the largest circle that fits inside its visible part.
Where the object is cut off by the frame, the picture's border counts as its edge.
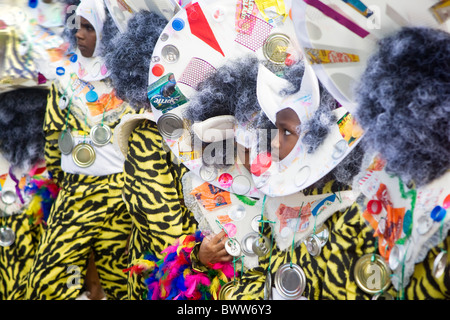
(173, 278)
(43, 192)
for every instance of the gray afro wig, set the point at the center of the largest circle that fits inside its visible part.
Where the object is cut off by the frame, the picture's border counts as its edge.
(21, 118)
(404, 103)
(128, 59)
(230, 90)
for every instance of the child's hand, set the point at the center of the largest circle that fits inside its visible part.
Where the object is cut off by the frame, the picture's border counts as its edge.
(212, 250)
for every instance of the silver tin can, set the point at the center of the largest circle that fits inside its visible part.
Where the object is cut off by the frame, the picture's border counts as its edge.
(290, 282)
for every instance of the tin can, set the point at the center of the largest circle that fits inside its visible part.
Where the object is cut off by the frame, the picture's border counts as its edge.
(170, 126)
(208, 173)
(65, 142)
(261, 246)
(313, 245)
(290, 281)
(227, 291)
(100, 135)
(233, 247)
(275, 48)
(83, 155)
(247, 243)
(372, 274)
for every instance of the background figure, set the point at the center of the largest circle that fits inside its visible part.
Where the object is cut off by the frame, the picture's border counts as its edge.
(27, 192)
(89, 216)
(404, 107)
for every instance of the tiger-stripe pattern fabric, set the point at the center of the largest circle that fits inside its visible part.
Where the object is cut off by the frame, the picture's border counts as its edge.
(89, 215)
(154, 196)
(16, 259)
(330, 275)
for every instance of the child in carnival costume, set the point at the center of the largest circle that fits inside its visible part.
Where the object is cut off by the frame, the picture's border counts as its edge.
(89, 216)
(26, 188)
(222, 101)
(153, 190)
(398, 92)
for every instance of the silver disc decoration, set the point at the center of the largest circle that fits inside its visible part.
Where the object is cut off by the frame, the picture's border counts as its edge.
(261, 246)
(7, 236)
(100, 134)
(233, 247)
(290, 281)
(65, 142)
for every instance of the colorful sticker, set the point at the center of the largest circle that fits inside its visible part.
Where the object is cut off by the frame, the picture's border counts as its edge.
(164, 95)
(318, 56)
(211, 197)
(243, 9)
(288, 217)
(349, 128)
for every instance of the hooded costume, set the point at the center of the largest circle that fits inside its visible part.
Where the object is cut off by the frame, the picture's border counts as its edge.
(387, 62)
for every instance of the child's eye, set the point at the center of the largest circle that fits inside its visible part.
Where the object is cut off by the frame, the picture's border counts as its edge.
(287, 132)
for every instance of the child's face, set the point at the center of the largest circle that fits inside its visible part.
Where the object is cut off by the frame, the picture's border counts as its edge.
(86, 38)
(287, 122)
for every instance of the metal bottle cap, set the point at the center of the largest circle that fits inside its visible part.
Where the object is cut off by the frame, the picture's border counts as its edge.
(83, 155)
(65, 142)
(208, 173)
(8, 197)
(275, 48)
(290, 282)
(170, 53)
(247, 243)
(100, 134)
(372, 276)
(227, 291)
(313, 245)
(440, 262)
(63, 102)
(237, 212)
(7, 236)
(233, 247)
(261, 246)
(170, 126)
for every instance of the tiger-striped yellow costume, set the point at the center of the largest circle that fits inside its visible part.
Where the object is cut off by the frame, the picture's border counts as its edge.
(16, 259)
(331, 274)
(154, 197)
(88, 215)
